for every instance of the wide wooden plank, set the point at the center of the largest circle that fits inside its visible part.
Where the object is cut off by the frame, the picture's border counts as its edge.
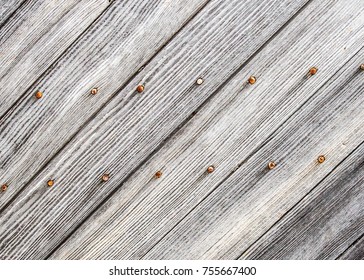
(214, 45)
(35, 36)
(253, 199)
(354, 252)
(106, 56)
(235, 123)
(327, 221)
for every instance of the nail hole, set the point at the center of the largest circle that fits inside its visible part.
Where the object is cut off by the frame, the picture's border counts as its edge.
(362, 66)
(4, 187)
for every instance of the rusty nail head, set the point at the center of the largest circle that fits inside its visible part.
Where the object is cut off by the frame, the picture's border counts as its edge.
(271, 165)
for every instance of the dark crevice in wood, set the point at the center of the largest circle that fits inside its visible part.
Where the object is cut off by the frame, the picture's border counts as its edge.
(12, 14)
(351, 246)
(298, 202)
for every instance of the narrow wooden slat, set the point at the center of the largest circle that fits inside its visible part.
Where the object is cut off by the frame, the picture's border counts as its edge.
(354, 252)
(37, 34)
(114, 48)
(324, 223)
(213, 45)
(234, 124)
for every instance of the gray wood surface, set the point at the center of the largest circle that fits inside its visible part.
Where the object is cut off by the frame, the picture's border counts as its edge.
(36, 35)
(137, 129)
(7, 8)
(325, 223)
(34, 130)
(242, 209)
(355, 251)
(230, 127)
(252, 199)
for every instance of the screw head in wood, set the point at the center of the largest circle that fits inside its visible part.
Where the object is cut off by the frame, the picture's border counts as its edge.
(271, 165)
(140, 88)
(252, 80)
(158, 174)
(50, 183)
(4, 187)
(313, 70)
(362, 66)
(321, 159)
(94, 91)
(105, 177)
(38, 95)
(199, 81)
(210, 169)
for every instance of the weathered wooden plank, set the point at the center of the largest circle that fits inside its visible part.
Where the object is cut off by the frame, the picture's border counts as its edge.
(354, 252)
(214, 45)
(325, 222)
(7, 8)
(252, 199)
(231, 126)
(103, 57)
(36, 35)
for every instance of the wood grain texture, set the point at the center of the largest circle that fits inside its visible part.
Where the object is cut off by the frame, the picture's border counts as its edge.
(325, 222)
(7, 8)
(111, 51)
(35, 36)
(252, 199)
(355, 251)
(231, 127)
(214, 45)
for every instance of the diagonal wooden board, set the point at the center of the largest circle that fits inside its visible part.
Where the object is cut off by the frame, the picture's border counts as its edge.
(111, 51)
(326, 222)
(234, 125)
(124, 133)
(35, 36)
